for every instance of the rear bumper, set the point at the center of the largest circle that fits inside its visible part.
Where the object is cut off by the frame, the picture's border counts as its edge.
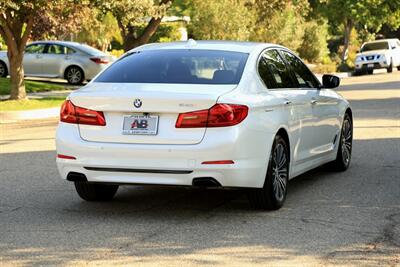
(165, 164)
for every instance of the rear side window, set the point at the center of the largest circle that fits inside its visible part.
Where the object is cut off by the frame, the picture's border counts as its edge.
(70, 50)
(303, 75)
(273, 71)
(177, 66)
(55, 49)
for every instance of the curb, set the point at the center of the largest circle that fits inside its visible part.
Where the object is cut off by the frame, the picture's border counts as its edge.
(29, 114)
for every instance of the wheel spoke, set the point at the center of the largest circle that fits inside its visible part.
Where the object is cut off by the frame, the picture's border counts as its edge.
(345, 154)
(348, 145)
(278, 155)
(274, 157)
(282, 183)
(278, 192)
(275, 184)
(282, 162)
(282, 171)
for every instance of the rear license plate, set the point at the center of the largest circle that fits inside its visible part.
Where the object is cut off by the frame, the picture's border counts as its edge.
(370, 65)
(140, 125)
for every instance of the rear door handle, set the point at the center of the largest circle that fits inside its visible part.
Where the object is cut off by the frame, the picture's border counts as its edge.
(313, 101)
(287, 102)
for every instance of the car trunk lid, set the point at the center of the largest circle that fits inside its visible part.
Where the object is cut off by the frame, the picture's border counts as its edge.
(162, 103)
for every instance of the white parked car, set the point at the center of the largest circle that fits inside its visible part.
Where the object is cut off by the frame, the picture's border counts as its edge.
(380, 54)
(206, 113)
(71, 61)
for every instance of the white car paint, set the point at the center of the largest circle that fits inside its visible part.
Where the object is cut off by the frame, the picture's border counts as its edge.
(311, 117)
(381, 58)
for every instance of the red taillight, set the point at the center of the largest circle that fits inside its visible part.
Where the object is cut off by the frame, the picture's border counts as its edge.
(99, 60)
(219, 115)
(72, 114)
(61, 156)
(219, 162)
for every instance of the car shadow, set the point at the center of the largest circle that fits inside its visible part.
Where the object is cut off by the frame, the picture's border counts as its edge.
(45, 223)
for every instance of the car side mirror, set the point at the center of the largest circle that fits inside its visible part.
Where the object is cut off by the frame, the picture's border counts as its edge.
(330, 81)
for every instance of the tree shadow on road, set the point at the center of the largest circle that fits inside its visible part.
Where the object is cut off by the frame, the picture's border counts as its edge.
(342, 218)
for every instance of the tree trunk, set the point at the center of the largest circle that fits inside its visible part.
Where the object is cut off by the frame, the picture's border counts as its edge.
(16, 76)
(131, 42)
(348, 27)
(15, 33)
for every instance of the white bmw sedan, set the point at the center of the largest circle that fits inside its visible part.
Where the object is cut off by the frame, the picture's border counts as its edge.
(206, 113)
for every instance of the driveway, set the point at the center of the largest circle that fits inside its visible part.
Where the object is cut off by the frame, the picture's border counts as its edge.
(350, 218)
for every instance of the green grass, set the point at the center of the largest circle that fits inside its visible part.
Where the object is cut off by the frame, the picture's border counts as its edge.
(14, 105)
(31, 86)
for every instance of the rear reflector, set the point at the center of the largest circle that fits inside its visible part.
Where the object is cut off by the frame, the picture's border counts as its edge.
(219, 162)
(99, 60)
(219, 115)
(72, 114)
(61, 156)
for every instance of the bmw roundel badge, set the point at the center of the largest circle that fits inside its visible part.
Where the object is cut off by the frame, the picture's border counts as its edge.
(137, 103)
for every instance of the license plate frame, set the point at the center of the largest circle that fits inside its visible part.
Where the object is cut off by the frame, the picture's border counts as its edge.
(370, 65)
(150, 120)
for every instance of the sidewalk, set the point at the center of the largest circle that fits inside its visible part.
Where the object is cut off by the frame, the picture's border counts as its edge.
(13, 116)
(60, 93)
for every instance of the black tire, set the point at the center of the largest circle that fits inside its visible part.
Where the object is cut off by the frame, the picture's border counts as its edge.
(390, 68)
(358, 73)
(268, 197)
(95, 192)
(343, 157)
(3, 69)
(370, 71)
(74, 75)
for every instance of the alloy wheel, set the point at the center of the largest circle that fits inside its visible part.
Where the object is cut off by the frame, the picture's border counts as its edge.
(74, 75)
(347, 139)
(279, 172)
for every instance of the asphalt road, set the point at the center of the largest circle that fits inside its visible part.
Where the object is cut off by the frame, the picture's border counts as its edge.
(350, 218)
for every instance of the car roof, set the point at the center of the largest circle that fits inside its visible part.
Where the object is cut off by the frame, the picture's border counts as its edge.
(382, 40)
(57, 42)
(234, 46)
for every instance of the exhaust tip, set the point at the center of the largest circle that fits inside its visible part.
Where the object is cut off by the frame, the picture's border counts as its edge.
(76, 177)
(206, 182)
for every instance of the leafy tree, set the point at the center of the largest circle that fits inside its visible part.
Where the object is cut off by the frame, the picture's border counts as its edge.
(221, 20)
(314, 46)
(131, 14)
(284, 25)
(180, 8)
(17, 19)
(63, 20)
(99, 30)
(371, 14)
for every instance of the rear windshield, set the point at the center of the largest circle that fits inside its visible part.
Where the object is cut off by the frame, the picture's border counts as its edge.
(375, 46)
(177, 66)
